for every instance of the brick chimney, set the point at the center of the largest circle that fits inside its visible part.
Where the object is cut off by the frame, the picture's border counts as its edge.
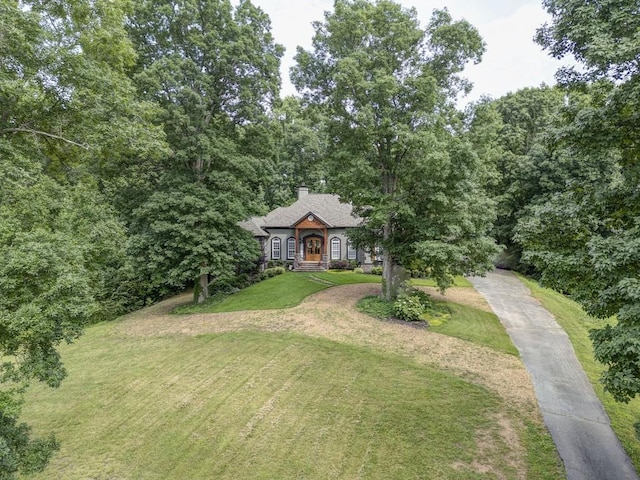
(303, 190)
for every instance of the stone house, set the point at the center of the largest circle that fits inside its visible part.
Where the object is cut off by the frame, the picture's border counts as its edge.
(310, 233)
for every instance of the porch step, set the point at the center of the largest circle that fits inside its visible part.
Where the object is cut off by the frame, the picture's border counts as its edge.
(309, 267)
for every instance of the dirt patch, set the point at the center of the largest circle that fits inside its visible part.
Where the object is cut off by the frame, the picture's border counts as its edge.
(494, 451)
(331, 314)
(463, 295)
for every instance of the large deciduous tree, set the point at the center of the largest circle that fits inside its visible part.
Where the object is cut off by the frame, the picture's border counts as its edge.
(300, 150)
(213, 70)
(396, 148)
(67, 109)
(585, 239)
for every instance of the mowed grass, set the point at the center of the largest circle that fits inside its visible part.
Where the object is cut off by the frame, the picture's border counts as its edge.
(477, 326)
(254, 405)
(458, 281)
(282, 291)
(290, 289)
(577, 324)
(464, 322)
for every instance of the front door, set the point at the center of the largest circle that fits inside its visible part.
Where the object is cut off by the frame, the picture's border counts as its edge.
(313, 249)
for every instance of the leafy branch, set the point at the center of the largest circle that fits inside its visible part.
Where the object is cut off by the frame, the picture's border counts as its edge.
(44, 134)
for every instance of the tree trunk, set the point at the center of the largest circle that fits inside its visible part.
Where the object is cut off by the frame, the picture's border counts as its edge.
(389, 184)
(203, 288)
(387, 267)
(388, 278)
(393, 275)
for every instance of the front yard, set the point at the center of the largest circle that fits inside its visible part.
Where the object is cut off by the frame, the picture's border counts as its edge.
(315, 391)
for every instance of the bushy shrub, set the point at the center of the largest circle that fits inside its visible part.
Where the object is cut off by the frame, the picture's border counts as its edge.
(411, 303)
(358, 270)
(275, 263)
(408, 308)
(340, 265)
(272, 272)
(376, 270)
(423, 297)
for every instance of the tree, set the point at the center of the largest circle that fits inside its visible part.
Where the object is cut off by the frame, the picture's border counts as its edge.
(397, 150)
(585, 239)
(531, 161)
(60, 260)
(67, 111)
(213, 70)
(300, 137)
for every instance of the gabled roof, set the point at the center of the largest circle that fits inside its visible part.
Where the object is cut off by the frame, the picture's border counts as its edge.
(325, 207)
(315, 216)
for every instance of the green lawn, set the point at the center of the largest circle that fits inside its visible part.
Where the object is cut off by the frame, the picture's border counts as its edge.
(427, 282)
(476, 326)
(290, 289)
(577, 325)
(264, 405)
(282, 291)
(252, 405)
(464, 322)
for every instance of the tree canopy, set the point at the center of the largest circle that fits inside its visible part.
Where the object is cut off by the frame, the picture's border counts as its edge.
(397, 150)
(213, 70)
(584, 238)
(67, 111)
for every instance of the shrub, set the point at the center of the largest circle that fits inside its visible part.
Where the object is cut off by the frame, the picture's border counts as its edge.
(274, 263)
(408, 308)
(376, 307)
(376, 270)
(241, 281)
(340, 265)
(272, 272)
(423, 297)
(358, 270)
(412, 303)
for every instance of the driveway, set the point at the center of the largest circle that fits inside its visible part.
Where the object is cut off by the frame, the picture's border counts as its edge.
(573, 414)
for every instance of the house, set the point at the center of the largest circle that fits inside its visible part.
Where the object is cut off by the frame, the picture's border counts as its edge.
(308, 234)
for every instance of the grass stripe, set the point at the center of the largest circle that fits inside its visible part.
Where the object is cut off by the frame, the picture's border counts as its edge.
(256, 405)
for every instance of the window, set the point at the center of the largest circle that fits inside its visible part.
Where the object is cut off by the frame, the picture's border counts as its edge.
(275, 249)
(291, 248)
(352, 253)
(335, 248)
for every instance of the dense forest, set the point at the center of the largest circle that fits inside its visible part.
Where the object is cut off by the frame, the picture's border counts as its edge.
(135, 136)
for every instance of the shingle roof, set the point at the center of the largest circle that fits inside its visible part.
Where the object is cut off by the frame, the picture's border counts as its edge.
(253, 225)
(326, 207)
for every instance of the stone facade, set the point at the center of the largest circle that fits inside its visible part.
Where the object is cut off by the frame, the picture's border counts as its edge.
(310, 233)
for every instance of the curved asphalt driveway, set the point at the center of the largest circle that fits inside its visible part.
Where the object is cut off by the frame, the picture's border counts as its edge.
(573, 414)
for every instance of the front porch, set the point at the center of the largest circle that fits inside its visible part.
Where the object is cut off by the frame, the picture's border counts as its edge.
(311, 241)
